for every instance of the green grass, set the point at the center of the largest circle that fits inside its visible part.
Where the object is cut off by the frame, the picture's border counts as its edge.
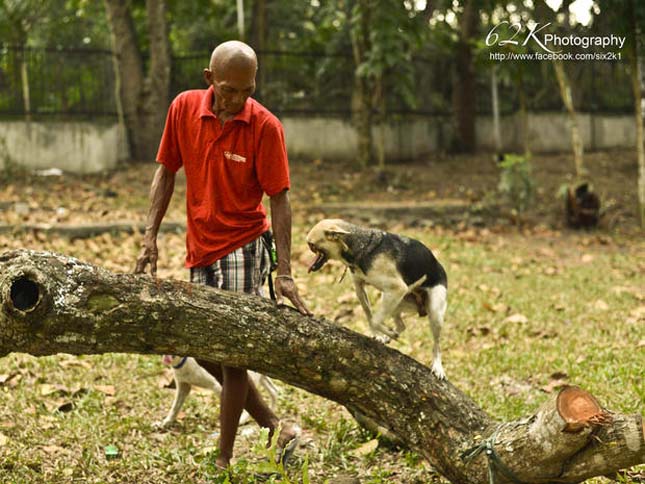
(555, 281)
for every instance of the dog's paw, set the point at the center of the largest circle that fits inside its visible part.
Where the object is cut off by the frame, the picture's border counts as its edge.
(437, 369)
(383, 339)
(164, 424)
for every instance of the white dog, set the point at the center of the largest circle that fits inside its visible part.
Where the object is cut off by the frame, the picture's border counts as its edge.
(188, 372)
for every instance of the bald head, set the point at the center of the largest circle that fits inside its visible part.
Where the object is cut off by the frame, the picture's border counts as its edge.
(231, 73)
(233, 55)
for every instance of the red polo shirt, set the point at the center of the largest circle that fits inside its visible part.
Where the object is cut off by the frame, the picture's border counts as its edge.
(228, 168)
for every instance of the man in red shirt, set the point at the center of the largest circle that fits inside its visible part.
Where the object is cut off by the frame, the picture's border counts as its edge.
(233, 151)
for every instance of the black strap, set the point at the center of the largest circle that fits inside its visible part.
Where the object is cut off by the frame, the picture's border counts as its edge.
(181, 363)
(267, 241)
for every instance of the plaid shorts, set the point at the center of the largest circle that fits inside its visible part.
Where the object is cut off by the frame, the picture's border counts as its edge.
(243, 270)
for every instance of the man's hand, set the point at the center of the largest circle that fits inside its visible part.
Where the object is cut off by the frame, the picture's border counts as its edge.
(285, 286)
(148, 255)
(161, 190)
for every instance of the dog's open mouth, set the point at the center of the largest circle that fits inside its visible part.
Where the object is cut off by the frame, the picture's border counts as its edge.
(321, 259)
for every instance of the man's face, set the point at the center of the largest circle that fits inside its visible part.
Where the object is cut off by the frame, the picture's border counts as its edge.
(232, 87)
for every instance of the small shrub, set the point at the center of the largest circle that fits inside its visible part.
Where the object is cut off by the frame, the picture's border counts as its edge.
(516, 181)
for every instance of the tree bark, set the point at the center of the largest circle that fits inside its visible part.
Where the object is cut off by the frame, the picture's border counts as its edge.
(260, 36)
(24, 78)
(465, 89)
(51, 303)
(144, 99)
(524, 114)
(567, 99)
(129, 68)
(155, 100)
(361, 95)
(638, 84)
(497, 133)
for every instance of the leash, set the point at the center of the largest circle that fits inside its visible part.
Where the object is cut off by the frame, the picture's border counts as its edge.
(269, 245)
(181, 363)
(495, 464)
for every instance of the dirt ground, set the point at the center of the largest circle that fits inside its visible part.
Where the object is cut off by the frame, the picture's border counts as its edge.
(468, 180)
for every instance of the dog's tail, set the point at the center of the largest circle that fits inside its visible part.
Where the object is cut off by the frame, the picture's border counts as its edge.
(415, 285)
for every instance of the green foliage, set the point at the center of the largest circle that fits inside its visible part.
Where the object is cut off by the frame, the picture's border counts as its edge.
(54, 23)
(395, 34)
(516, 181)
(267, 469)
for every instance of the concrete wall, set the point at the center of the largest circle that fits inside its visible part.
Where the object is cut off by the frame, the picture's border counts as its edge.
(79, 147)
(549, 132)
(86, 147)
(336, 139)
(414, 138)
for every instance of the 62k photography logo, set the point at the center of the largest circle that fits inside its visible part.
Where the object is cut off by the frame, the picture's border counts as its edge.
(506, 33)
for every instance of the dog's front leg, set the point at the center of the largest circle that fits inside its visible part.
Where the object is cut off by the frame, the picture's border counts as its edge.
(400, 325)
(359, 287)
(183, 389)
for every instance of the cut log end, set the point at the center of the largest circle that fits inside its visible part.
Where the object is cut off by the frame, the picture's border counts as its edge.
(25, 294)
(579, 409)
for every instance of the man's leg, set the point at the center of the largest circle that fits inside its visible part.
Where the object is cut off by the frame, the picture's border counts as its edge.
(235, 388)
(241, 270)
(255, 404)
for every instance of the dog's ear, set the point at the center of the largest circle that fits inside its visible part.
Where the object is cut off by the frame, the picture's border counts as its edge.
(335, 233)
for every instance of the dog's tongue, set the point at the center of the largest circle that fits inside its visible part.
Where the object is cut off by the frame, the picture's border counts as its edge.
(167, 360)
(318, 262)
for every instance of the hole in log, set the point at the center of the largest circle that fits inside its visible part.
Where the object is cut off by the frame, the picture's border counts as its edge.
(578, 408)
(24, 294)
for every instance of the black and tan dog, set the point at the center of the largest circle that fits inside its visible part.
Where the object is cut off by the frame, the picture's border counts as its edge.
(405, 271)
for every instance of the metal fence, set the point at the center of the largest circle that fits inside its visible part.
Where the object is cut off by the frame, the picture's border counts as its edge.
(62, 82)
(81, 83)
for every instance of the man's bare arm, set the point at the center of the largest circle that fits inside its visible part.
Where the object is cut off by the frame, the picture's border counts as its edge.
(161, 190)
(281, 222)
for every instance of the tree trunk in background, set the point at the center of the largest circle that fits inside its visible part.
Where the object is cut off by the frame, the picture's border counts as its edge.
(240, 20)
(24, 79)
(638, 84)
(52, 304)
(428, 11)
(129, 68)
(381, 108)
(638, 81)
(361, 95)
(259, 35)
(545, 14)
(144, 100)
(497, 135)
(464, 87)
(157, 83)
(567, 99)
(524, 114)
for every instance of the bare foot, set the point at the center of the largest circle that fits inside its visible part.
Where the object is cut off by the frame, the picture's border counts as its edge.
(287, 442)
(287, 434)
(222, 463)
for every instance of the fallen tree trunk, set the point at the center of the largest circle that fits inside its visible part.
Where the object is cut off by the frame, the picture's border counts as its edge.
(52, 303)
